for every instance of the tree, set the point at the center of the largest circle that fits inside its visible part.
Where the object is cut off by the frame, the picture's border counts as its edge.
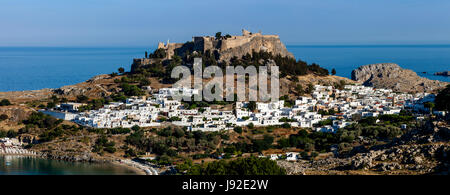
(299, 89)
(356, 117)
(241, 166)
(135, 128)
(130, 153)
(238, 130)
(443, 99)
(121, 70)
(430, 106)
(5, 102)
(144, 82)
(102, 144)
(218, 35)
(82, 98)
(11, 134)
(51, 105)
(131, 90)
(251, 106)
(3, 117)
(333, 71)
(286, 125)
(159, 53)
(310, 88)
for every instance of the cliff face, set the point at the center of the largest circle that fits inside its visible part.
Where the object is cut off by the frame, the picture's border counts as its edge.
(226, 47)
(268, 43)
(392, 76)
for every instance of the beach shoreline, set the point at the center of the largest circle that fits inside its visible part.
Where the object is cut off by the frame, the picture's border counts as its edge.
(137, 170)
(117, 162)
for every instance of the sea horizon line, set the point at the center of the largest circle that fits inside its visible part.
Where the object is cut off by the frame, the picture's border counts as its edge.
(287, 45)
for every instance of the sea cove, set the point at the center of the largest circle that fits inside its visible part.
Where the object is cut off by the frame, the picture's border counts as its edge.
(30, 165)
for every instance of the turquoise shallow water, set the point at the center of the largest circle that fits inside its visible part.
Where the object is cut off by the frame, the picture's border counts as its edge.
(27, 165)
(29, 68)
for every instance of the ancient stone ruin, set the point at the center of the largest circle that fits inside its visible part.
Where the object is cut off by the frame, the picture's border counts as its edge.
(226, 47)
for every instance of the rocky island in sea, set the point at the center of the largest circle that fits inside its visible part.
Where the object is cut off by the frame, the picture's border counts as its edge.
(387, 120)
(443, 73)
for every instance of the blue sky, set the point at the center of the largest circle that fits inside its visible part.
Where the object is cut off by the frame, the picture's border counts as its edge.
(144, 22)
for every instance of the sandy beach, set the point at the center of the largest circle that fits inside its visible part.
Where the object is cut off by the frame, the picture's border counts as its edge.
(137, 167)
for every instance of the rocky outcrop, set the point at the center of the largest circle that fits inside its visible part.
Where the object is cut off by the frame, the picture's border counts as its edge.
(270, 44)
(424, 150)
(392, 76)
(98, 86)
(306, 167)
(444, 73)
(224, 47)
(72, 157)
(15, 113)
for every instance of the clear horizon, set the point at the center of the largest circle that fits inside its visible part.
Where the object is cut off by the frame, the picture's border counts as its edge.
(287, 45)
(137, 23)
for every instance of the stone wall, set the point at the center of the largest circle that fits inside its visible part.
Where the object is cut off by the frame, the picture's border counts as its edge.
(139, 62)
(234, 46)
(267, 43)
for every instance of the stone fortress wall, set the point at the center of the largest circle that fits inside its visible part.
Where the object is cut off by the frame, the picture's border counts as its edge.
(227, 47)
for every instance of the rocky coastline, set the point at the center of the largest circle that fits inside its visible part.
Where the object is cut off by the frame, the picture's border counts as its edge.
(443, 73)
(392, 76)
(139, 168)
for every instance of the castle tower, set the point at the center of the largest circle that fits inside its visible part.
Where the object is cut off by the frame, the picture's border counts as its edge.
(245, 32)
(161, 45)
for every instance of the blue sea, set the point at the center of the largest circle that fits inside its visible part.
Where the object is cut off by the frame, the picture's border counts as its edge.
(30, 68)
(423, 59)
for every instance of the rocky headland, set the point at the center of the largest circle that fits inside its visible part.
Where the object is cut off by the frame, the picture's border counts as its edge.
(392, 76)
(443, 73)
(224, 48)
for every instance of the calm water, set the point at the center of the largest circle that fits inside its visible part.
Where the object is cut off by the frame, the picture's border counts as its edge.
(26, 165)
(28, 68)
(419, 58)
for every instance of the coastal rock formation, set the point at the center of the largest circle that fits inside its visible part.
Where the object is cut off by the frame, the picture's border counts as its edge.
(444, 73)
(392, 76)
